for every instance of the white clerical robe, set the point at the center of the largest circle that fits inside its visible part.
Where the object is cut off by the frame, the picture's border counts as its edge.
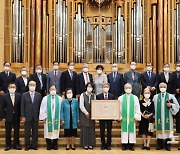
(172, 111)
(43, 115)
(127, 137)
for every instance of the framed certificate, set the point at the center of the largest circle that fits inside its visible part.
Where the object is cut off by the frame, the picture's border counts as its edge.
(105, 110)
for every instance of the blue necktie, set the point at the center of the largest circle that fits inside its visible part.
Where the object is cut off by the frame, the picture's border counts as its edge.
(32, 97)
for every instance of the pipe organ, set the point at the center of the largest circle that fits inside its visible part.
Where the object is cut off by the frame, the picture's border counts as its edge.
(92, 31)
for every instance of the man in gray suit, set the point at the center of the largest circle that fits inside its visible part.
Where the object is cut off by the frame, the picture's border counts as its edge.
(30, 106)
(133, 77)
(54, 78)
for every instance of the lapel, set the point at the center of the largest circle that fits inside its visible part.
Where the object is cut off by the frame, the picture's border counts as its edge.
(37, 78)
(9, 100)
(30, 97)
(82, 76)
(164, 79)
(146, 74)
(22, 80)
(130, 75)
(69, 75)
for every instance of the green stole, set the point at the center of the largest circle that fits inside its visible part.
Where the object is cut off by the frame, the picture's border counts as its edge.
(130, 127)
(49, 115)
(166, 115)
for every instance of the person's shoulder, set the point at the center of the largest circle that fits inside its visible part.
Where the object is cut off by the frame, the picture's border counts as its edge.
(18, 94)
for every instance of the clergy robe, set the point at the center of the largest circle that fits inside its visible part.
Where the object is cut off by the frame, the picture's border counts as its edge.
(43, 115)
(127, 137)
(172, 111)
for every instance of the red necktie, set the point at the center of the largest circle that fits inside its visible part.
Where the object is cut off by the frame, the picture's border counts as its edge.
(87, 79)
(55, 74)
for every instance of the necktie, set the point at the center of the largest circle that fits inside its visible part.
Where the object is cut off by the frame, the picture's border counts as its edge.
(106, 97)
(55, 74)
(7, 74)
(114, 76)
(12, 99)
(40, 79)
(149, 73)
(71, 73)
(32, 97)
(87, 79)
(167, 77)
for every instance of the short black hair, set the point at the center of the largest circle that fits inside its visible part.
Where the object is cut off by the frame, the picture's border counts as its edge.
(89, 83)
(6, 63)
(67, 91)
(55, 62)
(166, 64)
(149, 63)
(70, 62)
(11, 83)
(99, 66)
(38, 65)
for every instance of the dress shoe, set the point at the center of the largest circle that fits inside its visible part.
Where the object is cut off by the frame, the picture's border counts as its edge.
(34, 148)
(178, 148)
(168, 148)
(48, 148)
(148, 148)
(27, 148)
(103, 148)
(109, 148)
(7, 148)
(90, 147)
(124, 148)
(131, 148)
(17, 147)
(159, 148)
(55, 147)
(85, 147)
(144, 147)
(67, 148)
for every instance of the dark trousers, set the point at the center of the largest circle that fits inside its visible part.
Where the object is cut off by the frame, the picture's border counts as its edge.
(51, 143)
(103, 124)
(161, 145)
(31, 125)
(8, 125)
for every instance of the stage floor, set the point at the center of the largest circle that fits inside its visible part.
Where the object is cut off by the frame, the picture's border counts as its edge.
(95, 151)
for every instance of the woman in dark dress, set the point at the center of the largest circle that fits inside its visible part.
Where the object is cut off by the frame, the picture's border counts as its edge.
(147, 110)
(70, 118)
(87, 136)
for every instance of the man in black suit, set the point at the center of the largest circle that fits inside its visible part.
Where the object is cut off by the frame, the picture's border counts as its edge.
(30, 106)
(176, 79)
(167, 78)
(6, 77)
(10, 113)
(22, 81)
(105, 96)
(149, 79)
(40, 79)
(82, 79)
(68, 79)
(116, 81)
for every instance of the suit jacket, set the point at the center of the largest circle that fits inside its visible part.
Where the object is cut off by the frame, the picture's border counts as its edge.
(7, 108)
(176, 84)
(117, 85)
(21, 88)
(29, 109)
(51, 80)
(146, 81)
(4, 80)
(35, 78)
(161, 78)
(136, 90)
(101, 96)
(67, 82)
(80, 82)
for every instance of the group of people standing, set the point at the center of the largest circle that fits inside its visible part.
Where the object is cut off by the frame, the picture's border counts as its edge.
(39, 97)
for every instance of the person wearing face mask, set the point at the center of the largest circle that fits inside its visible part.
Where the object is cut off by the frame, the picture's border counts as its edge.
(82, 79)
(68, 79)
(30, 105)
(149, 79)
(99, 79)
(69, 116)
(166, 106)
(41, 81)
(87, 135)
(10, 113)
(134, 78)
(6, 77)
(116, 81)
(54, 78)
(147, 110)
(22, 81)
(105, 95)
(167, 78)
(49, 113)
(176, 79)
(129, 114)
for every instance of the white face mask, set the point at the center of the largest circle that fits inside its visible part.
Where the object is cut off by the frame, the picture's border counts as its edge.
(146, 95)
(55, 67)
(105, 90)
(128, 90)
(178, 69)
(85, 70)
(12, 90)
(133, 67)
(38, 71)
(114, 69)
(53, 92)
(71, 68)
(69, 96)
(89, 89)
(32, 88)
(166, 69)
(99, 71)
(149, 68)
(23, 73)
(163, 90)
(6, 68)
